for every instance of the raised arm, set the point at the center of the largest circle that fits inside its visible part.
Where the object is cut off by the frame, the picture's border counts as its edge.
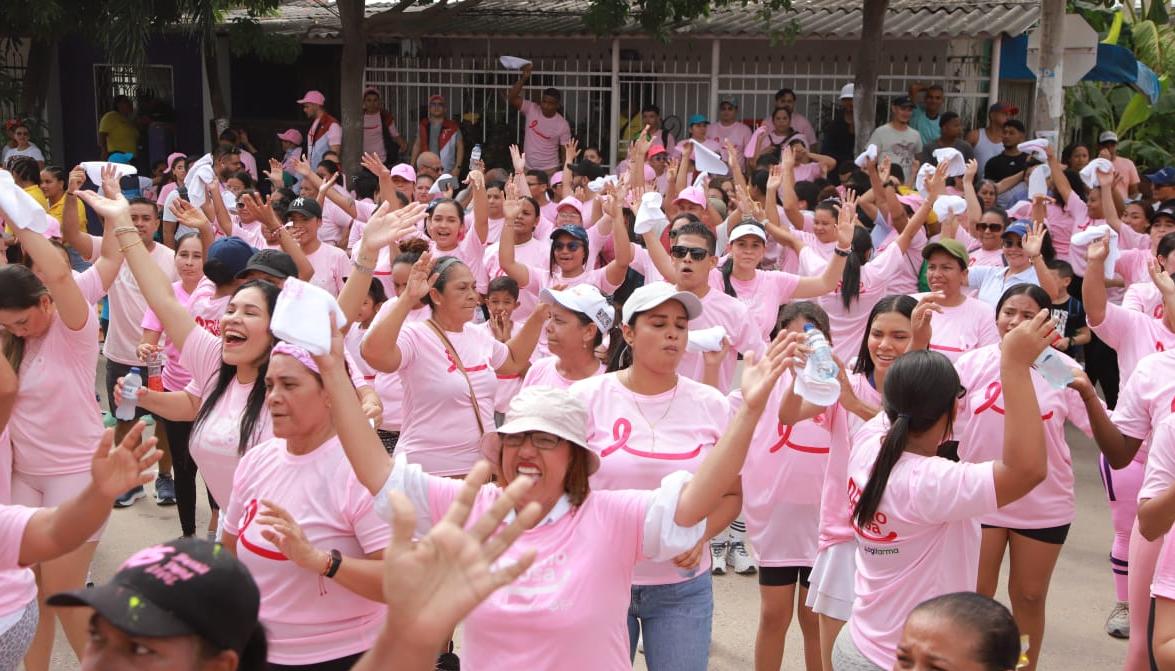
(224, 220)
(1057, 172)
(1024, 463)
(386, 227)
(481, 205)
(617, 268)
(263, 212)
(369, 460)
(826, 282)
(516, 270)
(787, 188)
(55, 272)
(380, 346)
(522, 345)
(193, 217)
(1032, 244)
(974, 209)
(514, 95)
(376, 167)
(1093, 288)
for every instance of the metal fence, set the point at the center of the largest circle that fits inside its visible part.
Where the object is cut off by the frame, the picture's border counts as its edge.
(681, 84)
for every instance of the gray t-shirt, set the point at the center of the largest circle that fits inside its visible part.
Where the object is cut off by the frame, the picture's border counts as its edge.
(902, 147)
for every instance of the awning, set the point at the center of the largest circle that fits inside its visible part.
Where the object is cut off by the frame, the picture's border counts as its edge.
(1115, 64)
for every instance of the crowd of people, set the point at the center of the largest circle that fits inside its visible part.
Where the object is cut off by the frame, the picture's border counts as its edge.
(549, 400)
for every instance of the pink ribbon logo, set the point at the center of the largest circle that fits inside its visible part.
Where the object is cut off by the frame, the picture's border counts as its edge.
(250, 513)
(992, 394)
(622, 431)
(784, 432)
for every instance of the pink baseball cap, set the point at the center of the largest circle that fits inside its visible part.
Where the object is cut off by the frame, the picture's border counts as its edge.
(404, 172)
(370, 89)
(313, 97)
(171, 160)
(912, 200)
(571, 201)
(290, 135)
(557, 178)
(692, 194)
(655, 150)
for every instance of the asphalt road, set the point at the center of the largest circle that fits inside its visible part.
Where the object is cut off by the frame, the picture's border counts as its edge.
(1080, 596)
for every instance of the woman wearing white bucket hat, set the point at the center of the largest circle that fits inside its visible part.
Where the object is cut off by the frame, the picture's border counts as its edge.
(566, 611)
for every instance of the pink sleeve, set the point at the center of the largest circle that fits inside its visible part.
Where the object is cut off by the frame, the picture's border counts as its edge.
(409, 342)
(499, 353)
(1076, 208)
(882, 267)
(201, 356)
(364, 209)
(230, 519)
(13, 520)
(334, 134)
(528, 108)
(1133, 298)
(1131, 415)
(353, 371)
(943, 491)
(1160, 465)
(441, 493)
(965, 237)
(1117, 324)
(988, 335)
(783, 285)
(1076, 412)
(151, 322)
(373, 533)
(90, 284)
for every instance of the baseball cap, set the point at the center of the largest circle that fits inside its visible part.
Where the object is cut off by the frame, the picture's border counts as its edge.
(655, 150)
(436, 98)
(1107, 137)
(183, 587)
(227, 258)
(290, 135)
(586, 299)
(550, 410)
(573, 230)
(572, 202)
(697, 118)
(404, 172)
(903, 101)
(1019, 228)
(743, 230)
(692, 194)
(728, 100)
(171, 159)
(370, 89)
(313, 97)
(950, 246)
(847, 91)
(1162, 177)
(305, 206)
(271, 262)
(653, 294)
(1166, 209)
(1004, 106)
(557, 178)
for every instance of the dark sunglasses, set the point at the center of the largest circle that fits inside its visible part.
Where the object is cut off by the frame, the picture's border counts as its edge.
(570, 245)
(994, 228)
(695, 253)
(1011, 242)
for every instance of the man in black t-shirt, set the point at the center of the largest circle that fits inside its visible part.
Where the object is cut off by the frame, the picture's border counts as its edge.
(1007, 169)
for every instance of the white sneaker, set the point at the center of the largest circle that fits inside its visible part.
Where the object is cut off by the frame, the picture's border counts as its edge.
(741, 559)
(718, 557)
(1118, 623)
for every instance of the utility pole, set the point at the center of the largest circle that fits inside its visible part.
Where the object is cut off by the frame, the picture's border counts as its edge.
(1050, 94)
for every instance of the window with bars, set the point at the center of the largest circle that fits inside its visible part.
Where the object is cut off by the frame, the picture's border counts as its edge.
(142, 83)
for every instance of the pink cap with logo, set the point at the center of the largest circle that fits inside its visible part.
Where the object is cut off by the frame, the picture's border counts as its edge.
(313, 97)
(404, 172)
(290, 135)
(692, 194)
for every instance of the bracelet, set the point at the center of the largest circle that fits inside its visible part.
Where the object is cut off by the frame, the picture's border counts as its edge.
(842, 252)
(362, 268)
(333, 561)
(119, 230)
(126, 247)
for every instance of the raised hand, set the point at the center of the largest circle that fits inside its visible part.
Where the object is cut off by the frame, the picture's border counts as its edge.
(571, 151)
(374, 165)
(476, 179)
(1023, 344)
(117, 470)
(517, 159)
(1098, 250)
(420, 279)
(921, 318)
(845, 220)
(774, 178)
(1034, 239)
(110, 180)
(787, 158)
(261, 211)
(386, 226)
(302, 166)
(287, 536)
(969, 172)
(189, 215)
(77, 179)
(114, 206)
(1161, 279)
(936, 184)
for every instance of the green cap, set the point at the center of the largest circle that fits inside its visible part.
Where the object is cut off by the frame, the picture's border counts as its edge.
(950, 246)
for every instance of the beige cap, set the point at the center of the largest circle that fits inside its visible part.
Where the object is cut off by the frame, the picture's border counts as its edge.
(550, 410)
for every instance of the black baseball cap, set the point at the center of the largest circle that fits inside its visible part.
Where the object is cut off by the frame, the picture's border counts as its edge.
(271, 262)
(180, 588)
(903, 101)
(307, 207)
(226, 259)
(1166, 209)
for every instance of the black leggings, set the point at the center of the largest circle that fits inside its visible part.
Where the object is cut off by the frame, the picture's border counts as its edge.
(340, 664)
(184, 468)
(1150, 637)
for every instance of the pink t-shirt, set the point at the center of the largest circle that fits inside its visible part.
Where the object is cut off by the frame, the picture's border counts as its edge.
(1133, 335)
(363, 210)
(906, 281)
(387, 385)
(781, 481)
(535, 254)
(1129, 173)
(56, 424)
(979, 427)
(762, 295)
(1144, 297)
(642, 262)
(207, 308)
(127, 306)
(471, 251)
(17, 585)
(1147, 398)
(252, 233)
(808, 172)
(542, 279)
(738, 133)
(214, 442)
(922, 542)
(175, 376)
(331, 268)
(544, 136)
(307, 618)
(373, 134)
(848, 324)
(835, 513)
(962, 328)
(986, 257)
(1061, 222)
(89, 281)
(543, 373)
(731, 314)
(442, 434)
(689, 419)
(1160, 475)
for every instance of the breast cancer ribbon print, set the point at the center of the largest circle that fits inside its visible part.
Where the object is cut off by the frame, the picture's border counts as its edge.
(784, 431)
(992, 395)
(622, 431)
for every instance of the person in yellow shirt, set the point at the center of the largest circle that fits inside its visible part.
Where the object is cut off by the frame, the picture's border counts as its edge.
(27, 176)
(53, 183)
(117, 131)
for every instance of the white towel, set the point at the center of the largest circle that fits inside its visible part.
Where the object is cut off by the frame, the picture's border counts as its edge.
(597, 184)
(94, 170)
(1035, 148)
(700, 180)
(1089, 172)
(21, 210)
(870, 154)
(945, 206)
(1038, 181)
(513, 62)
(707, 160)
(951, 156)
(706, 340)
(649, 215)
(436, 186)
(924, 173)
(1083, 238)
(199, 175)
(302, 316)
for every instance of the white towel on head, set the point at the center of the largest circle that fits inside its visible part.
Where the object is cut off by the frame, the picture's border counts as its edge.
(924, 173)
(870, 154)
(1083, 238)
(707, 160)
(952, 156)
(945, 206)
(706, 340)
(94, 170)
(513, 62)
(649, 215)
(1038, 181)
(1089, 172)
(597, 184)
(21, 210)
(1035, 149)
(700, 180)
(199, 175)
(302, 316)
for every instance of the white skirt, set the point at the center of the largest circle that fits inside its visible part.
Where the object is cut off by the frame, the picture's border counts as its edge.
(832, 591)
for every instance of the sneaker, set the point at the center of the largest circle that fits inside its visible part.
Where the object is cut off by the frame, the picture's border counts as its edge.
(128, 499)
(718, 557)
(448, 661)
(741, 559)
(1118, 623)
(164, 490)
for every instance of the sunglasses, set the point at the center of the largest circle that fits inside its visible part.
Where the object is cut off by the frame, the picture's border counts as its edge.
(994, 228)
(695, 253)
(571, 246)
(1010, 243)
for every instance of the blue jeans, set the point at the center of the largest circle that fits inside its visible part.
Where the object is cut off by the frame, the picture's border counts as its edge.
(676, 622)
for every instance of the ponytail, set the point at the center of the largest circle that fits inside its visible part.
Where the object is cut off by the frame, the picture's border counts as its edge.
(850, 284)
(892, 447)
(727, 270)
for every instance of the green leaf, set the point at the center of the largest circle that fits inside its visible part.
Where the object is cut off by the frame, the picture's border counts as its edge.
(1115, 29)
(1137, 111)
(1148, 45)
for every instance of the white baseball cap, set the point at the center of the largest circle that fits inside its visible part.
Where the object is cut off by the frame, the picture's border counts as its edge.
(651, 295)
(847, 91)
(743, 230)
(586, 299)
(1107, 136)
(550, 410)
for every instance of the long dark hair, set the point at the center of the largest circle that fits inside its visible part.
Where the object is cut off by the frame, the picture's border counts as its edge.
(256, 401)
(850, 277)
(899, 303)
(919, 390)
(20, 289)
(810, 312)
(1038, 296)
(998, 648)
(727, 267)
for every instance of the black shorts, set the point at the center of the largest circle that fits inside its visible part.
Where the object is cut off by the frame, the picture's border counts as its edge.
(782, 576)
(389, 439)
(1050, 535)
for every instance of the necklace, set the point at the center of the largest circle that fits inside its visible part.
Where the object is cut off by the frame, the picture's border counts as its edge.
(652, 425)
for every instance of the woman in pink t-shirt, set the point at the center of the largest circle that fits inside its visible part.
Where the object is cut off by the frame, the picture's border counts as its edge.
(50, 335)
(306, 529)
(964, 323)
(914, 507)
(1034, 528)
(580, 318)
(445, 227)
(1154, 522)
(989, 231)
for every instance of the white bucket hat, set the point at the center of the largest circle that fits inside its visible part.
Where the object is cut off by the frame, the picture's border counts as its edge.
(550, 410)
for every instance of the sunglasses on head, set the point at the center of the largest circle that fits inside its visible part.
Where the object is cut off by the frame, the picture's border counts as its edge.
(994, 228)
(570, 245)
(1009, 243)
(695, 253)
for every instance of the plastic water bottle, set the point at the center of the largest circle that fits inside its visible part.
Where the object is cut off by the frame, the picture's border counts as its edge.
(821, 367)
(475, 155)
(130, 396)
(1053, 368)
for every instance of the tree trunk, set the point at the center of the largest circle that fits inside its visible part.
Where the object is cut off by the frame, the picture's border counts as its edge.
(215, 92)
(354, 62)
(867, 64)
(1050, 95)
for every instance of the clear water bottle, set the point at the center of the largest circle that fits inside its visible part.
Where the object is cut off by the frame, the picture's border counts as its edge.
(475, 155)
(1053, 368)
(130, 395)
(821, 367)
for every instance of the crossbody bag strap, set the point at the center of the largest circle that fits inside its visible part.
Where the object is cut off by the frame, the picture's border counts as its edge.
(461, 367)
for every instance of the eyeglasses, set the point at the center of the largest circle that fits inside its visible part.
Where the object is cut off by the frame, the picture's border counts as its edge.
(695, 253)
(571, 246)
(994, 228)
(541, 441)
(659, 157)
(1010, 243)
